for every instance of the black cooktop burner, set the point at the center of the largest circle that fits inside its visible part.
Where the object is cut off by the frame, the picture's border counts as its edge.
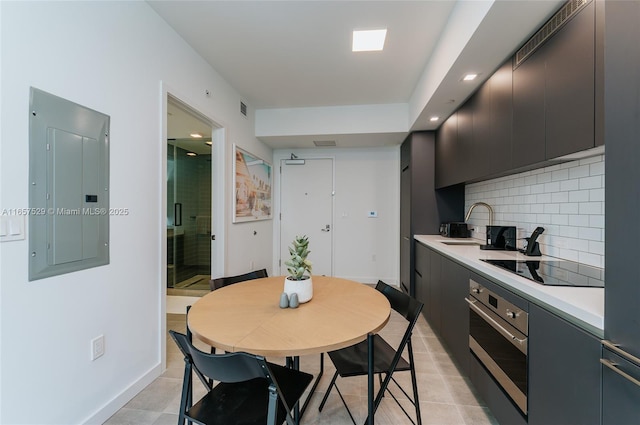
(554, 273)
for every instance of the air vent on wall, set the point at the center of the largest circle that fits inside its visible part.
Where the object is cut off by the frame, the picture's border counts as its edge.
(324, 143)
(243, 109)
(561, 17)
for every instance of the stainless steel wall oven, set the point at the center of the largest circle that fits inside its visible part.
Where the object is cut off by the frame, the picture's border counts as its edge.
(498, 333)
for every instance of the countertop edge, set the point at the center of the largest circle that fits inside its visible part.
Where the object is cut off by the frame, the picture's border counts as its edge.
(583, 307)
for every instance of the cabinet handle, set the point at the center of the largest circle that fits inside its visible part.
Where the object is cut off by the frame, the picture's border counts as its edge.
(616, 349)
(614, 367)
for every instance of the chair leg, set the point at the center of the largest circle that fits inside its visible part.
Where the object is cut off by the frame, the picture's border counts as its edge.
(326, 395)
(186, 397)
(273, 406)
(414, 383)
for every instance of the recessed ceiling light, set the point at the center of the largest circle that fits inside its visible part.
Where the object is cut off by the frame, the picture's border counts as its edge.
(192, 154)
(196, 135)
(369, 40)
(470, 77)
(210, 143)
(434, 118)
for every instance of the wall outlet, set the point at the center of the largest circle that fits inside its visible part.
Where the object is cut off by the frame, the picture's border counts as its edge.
(97, 347)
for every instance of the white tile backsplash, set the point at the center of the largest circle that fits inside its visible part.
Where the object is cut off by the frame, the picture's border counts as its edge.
(566, 199)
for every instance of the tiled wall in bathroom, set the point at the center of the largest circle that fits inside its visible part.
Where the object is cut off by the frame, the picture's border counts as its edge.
(566, 199)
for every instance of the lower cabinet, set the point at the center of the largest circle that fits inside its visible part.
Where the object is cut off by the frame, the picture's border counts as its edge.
(564, 372)
(442, 285)
(455, 311)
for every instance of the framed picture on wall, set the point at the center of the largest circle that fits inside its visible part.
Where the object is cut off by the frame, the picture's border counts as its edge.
(252, 181)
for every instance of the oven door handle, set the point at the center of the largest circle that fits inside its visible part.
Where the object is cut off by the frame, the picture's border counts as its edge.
(497, 326)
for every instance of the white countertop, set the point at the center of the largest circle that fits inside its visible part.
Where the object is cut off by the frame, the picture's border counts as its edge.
(582, 306)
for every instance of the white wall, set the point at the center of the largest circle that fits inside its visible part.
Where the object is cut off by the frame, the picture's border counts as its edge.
(365, 249)
(566, 199)
(114, 57)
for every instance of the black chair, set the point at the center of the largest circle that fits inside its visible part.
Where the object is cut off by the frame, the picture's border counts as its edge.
(353, 360)
(250, 391)
(229, 280)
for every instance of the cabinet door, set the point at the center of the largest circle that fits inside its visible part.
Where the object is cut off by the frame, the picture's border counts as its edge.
(434, 302)
(405, 229)
(482, 150)
(455, 311)
(570, 89)
(528, 111)
(499, 144)
(447, 152)
(422, 261)
(564, 372)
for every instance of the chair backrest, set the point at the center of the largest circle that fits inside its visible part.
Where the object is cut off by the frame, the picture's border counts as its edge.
(229, 280)
(230, 367)
(404, 304)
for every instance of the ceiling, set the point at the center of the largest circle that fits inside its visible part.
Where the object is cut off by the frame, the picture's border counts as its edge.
(292, 55)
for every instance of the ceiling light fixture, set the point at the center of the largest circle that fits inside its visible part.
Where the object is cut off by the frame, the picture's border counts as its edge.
(196, 135)
(470, 77)
(434, 118)
(192, 154)
(369, 40)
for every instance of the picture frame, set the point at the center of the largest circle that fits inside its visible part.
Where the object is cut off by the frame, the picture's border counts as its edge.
(252, 187)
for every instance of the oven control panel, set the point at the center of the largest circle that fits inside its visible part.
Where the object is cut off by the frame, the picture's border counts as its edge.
(511, 313)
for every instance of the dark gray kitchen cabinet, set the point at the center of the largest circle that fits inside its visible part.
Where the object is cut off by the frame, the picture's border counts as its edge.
(528, 146)
(448, 152)
(428, 284)
(554, 94)
(464, 163)
(454, 315)
(435, 292)
(418, 203)
(492, 122)
(564, 372)
(621, 396)
(445, 285)
(570, 86)
(422, 278)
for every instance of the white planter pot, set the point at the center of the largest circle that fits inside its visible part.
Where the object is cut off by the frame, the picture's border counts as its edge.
(304, 288)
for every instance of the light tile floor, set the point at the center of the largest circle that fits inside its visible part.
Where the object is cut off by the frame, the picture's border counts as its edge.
(446, 397)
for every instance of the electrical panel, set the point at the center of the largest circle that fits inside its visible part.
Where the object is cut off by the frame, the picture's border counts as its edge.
(68, 186)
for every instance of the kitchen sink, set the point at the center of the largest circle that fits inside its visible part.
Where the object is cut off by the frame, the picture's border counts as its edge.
(460, 242)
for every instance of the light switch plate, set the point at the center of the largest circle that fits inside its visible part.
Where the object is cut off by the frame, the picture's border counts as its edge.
(372, 214)
(12, 228)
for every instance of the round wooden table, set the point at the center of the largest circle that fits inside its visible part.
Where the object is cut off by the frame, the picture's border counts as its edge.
(246, 317)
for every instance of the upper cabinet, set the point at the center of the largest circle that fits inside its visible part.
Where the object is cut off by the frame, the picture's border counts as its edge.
(528, 112)
(475, 141)
(492, 123)
(448, 167)
(554, 93)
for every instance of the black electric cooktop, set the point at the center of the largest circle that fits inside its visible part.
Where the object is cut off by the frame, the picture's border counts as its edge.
(554, 273)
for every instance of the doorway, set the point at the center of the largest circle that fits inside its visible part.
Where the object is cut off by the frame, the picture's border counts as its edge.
(189, 200)
(306, 208)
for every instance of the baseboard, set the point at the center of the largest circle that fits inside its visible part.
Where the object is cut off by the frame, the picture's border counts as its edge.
(115, 404)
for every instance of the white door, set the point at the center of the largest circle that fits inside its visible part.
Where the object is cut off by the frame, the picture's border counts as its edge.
(306, 206)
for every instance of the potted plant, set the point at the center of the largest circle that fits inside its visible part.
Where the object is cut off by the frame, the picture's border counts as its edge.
(297, 281)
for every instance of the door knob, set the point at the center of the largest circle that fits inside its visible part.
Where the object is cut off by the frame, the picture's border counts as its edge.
(327, 228)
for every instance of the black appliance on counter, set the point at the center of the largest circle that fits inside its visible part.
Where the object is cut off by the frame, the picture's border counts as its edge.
(454, 230)
(501, 238)
(554, 272)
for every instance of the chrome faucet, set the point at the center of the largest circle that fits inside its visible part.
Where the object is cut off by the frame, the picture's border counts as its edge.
(466, 218)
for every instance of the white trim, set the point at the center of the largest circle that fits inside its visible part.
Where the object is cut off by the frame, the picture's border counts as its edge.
(116, 403)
